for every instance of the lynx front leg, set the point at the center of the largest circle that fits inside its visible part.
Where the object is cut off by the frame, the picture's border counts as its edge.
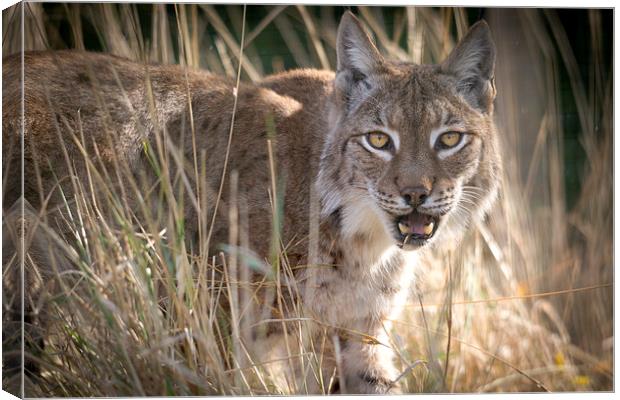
(368, 369)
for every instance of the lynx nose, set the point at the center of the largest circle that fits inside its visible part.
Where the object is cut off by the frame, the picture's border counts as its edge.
(415, 196)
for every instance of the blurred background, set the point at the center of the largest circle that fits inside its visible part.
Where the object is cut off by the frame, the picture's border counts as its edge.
(526, 302)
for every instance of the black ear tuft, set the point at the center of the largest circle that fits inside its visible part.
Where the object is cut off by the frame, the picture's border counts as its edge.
(472, 62)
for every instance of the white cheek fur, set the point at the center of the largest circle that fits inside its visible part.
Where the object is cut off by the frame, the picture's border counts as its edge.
(384, 154)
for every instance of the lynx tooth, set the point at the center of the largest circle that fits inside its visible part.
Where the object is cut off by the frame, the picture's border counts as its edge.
(428, 228)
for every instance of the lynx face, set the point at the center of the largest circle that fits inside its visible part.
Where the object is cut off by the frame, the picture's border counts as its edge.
(414, 145)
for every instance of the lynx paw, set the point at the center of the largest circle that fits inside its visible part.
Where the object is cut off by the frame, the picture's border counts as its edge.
(372, 383)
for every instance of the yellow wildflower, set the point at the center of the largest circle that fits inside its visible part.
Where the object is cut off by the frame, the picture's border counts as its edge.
(559, 359)
(581, 380)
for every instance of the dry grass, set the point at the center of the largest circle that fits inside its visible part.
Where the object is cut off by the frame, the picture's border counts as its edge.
(523, 304)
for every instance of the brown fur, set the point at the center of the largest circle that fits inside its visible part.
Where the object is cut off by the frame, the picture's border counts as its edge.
(320, 120)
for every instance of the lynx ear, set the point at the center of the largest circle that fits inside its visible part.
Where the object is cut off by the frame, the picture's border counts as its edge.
(358, 58)
(472, 62)
(354, 48)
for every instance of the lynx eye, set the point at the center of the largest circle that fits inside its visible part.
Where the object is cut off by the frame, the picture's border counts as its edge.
(449, 140)
(378, 140)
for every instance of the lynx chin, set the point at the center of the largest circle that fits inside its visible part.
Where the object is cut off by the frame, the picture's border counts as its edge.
(375, 162)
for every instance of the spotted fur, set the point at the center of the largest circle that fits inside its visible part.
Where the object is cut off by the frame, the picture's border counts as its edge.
(341, 196)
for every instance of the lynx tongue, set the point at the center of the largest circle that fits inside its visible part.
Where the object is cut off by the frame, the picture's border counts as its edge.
(417, 224)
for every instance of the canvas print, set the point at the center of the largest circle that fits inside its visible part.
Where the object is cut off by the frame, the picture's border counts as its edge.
(209, 199)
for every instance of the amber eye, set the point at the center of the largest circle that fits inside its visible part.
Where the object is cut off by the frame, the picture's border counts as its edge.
(378, 140)
(449, 139)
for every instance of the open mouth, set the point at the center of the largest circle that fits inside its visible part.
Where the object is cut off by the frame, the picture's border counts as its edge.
(416, 228)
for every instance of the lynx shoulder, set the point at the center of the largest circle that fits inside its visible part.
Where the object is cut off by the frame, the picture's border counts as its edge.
(374, 163)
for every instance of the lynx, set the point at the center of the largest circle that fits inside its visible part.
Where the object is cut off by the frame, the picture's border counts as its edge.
(377, 161)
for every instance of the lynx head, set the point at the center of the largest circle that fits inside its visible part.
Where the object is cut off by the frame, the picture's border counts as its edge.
(412, 153)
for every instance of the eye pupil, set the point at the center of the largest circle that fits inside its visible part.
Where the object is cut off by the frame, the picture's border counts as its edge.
(450, 139)
(378, 140)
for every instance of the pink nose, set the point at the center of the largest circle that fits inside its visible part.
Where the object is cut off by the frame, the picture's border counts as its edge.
(415, 195)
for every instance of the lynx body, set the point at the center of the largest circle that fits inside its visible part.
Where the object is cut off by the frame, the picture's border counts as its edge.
(375, 162)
